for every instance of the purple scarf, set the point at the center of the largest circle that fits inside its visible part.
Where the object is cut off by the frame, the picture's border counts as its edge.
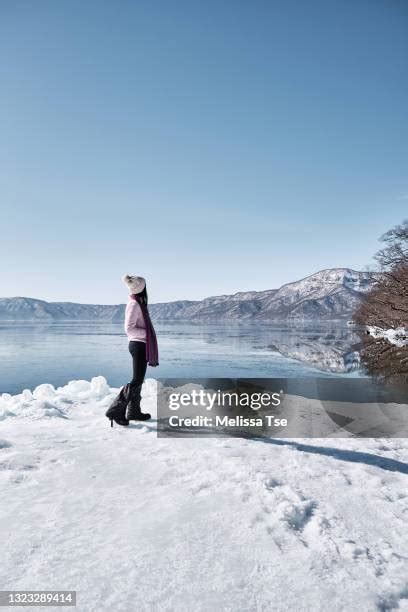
(152, 351)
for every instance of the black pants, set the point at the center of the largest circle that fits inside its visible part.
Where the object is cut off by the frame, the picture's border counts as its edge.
(138, 352)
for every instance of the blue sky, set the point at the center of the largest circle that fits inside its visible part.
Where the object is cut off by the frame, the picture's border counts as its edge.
(210, 146)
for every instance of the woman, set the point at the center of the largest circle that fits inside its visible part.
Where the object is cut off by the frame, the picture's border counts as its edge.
(144, 351)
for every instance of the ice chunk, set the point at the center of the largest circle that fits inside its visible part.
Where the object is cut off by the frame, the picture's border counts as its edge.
(43, 391)
(100, 387)
(5, 413)
(77, 386)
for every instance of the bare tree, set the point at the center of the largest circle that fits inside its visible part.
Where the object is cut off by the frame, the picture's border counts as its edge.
(395, 253)
(385, 308)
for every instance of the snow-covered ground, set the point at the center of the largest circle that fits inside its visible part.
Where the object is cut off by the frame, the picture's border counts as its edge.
(135, 522)
(398, 336)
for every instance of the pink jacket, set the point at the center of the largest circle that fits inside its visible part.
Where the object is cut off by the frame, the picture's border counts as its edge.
(134, 322)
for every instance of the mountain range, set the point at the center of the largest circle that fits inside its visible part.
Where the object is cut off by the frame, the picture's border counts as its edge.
(326, 295)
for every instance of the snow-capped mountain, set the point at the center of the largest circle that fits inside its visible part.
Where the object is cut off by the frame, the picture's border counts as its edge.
(30, 309)
(328, 294)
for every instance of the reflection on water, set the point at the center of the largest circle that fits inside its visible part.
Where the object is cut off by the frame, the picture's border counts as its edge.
(31, 354)
(331, 350)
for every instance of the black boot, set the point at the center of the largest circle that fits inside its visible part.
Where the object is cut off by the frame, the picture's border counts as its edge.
(133, 412)
(117, 410)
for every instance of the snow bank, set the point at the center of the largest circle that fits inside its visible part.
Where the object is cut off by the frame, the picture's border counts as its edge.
(46, 401)
(132, 521)
(398, 336)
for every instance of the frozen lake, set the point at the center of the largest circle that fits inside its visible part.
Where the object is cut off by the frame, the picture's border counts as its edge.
(33, 353)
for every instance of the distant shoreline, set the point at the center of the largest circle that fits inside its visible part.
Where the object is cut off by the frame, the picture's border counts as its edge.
(331, 294)
(197, 321)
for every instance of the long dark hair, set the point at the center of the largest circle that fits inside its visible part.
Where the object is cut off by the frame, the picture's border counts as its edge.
(141, 296)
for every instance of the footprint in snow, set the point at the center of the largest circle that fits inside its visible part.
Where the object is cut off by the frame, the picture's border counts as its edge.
(204, 488)
(297, 516)
(287, 506)
(272, 483)
(392, 600)
(351, 550)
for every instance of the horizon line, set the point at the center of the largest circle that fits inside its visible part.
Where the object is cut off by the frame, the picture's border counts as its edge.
(186, 299)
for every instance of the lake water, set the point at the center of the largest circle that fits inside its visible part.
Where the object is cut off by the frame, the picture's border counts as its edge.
(31, 354)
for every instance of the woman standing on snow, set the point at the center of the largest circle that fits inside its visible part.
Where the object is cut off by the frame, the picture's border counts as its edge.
(144, 351)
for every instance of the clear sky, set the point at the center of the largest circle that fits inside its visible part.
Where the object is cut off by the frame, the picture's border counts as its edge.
(211, 146)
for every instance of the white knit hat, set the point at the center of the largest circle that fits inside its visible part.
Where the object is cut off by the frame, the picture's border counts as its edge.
(136, 284)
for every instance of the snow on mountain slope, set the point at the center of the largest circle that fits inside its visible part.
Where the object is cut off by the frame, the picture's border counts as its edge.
(328, 294)
(135, 522)
(326, 282)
